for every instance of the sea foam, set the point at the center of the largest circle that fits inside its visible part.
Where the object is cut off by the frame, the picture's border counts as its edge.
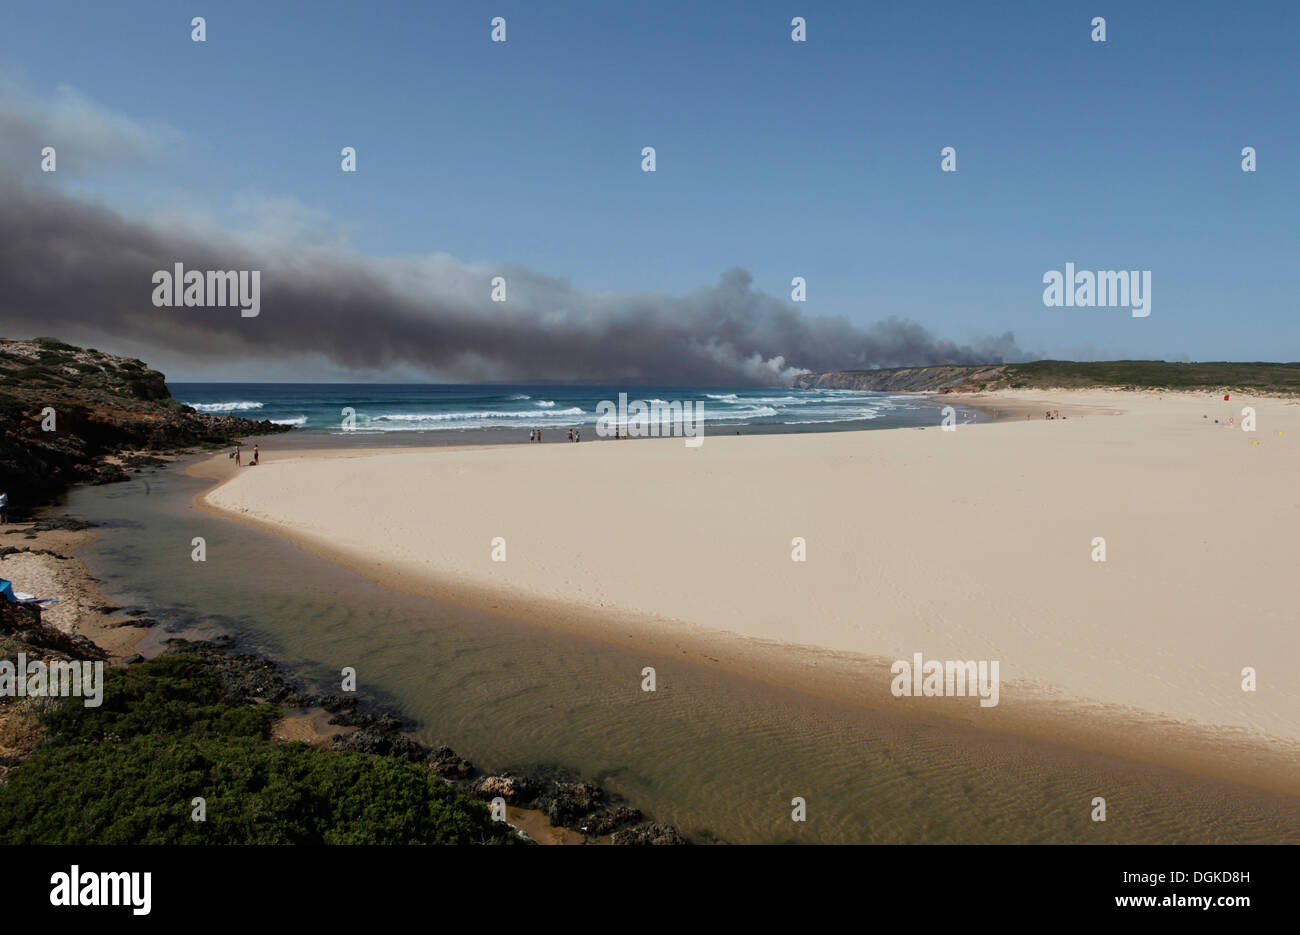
(224, 407)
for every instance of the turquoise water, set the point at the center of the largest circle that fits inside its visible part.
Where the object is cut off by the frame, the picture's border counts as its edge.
(717, 755)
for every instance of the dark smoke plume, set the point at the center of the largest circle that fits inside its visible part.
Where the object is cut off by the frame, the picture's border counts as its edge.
(69, 268)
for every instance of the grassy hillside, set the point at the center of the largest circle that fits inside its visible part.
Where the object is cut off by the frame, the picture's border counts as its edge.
(1256, 377)
(1158, 374)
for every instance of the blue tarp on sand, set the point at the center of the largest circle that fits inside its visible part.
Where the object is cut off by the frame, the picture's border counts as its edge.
(7, 591)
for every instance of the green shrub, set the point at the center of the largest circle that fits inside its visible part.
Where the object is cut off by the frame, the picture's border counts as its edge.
(32, 374)
(127, 772)
(11, 409)
(52, 344)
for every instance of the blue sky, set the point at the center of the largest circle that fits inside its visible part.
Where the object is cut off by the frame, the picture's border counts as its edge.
(818, 159)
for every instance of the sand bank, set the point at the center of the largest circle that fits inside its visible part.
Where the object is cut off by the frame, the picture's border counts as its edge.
(48, 570)
(975, 544)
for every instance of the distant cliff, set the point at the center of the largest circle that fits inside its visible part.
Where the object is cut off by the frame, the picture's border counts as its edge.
(906, 379)
(109, 413)
(1262, 378)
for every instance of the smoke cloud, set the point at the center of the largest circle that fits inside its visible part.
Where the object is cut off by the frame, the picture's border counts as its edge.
(70, 268)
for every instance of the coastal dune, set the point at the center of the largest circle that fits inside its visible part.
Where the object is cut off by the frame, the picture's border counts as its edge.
(975, 544)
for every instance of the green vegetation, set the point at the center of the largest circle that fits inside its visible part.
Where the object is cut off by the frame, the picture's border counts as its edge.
(126, 772)
(1158, 374)
(1270, 379)
(53, 344)
(32, 375)
(11, 409)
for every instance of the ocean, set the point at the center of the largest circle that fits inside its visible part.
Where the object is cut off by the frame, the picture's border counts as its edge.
(384, 409)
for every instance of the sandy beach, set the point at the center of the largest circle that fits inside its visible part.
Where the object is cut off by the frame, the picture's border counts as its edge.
(48, 569)
(975, 544)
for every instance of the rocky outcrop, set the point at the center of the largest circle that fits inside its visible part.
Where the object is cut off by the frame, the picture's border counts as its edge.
(247, 678)
(73, 416)
(566, 803)
(23, 631)
(577, 804)
(382, 742)
(448, 765)
(518, 790)
(609, 820)
(649, 833)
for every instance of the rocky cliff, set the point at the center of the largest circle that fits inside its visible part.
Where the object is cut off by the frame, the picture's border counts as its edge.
(906, 379)
(69, 415)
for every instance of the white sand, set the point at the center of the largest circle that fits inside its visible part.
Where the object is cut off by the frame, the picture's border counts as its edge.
(973, 544)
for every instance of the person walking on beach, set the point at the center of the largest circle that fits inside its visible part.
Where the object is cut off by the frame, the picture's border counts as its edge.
(532, 436)
(539, 435)
(577, 435)
(570, 434)
(257, 455)
(4, 508)
(236, 456)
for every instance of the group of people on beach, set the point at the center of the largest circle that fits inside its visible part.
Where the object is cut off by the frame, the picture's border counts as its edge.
(239, 452)
(575, 435)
